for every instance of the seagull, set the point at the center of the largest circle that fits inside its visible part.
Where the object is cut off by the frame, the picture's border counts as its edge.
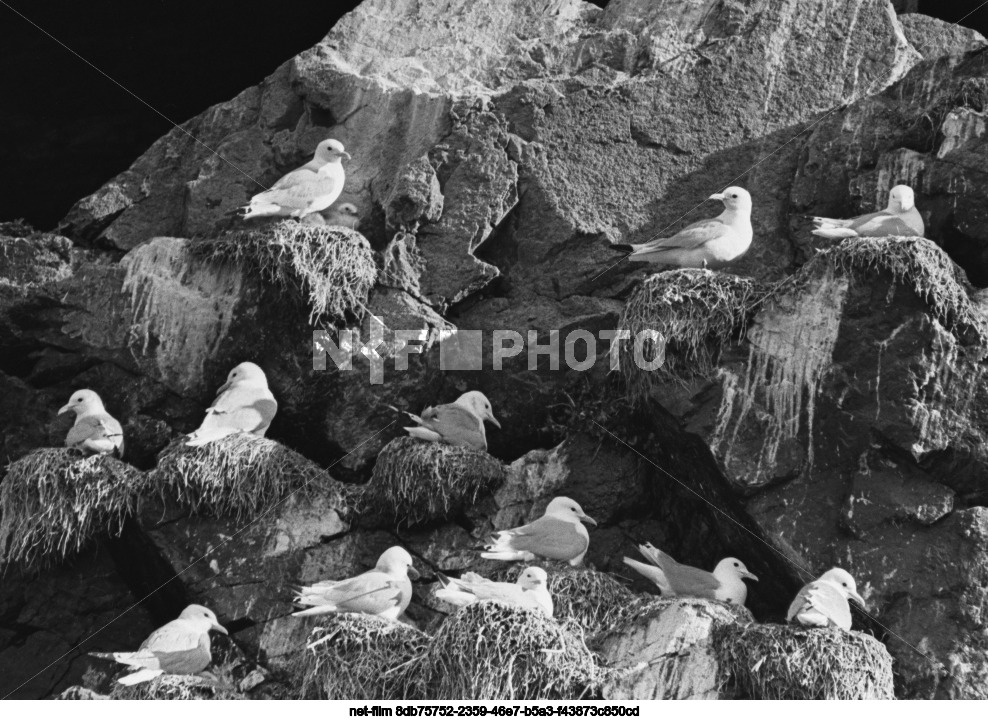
(460, 423)
(899, 218)
(529, 591)
(384, 591)
(94, 430)
(676, 579)
(179, 647)
(243, 404)
(706, 244)
(558, 535)
(309, 189)
(823, 602)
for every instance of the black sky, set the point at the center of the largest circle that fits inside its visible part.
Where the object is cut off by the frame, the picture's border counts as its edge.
(67, 129)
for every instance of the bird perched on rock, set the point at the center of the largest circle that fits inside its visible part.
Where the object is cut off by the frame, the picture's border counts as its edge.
(384, 591)
(706, 244)
(309, 189)
(529, 591)
(558, 535)
(94, 430)
(899, 218)
(179, 647)
(676, 579)
(824, 602)
(243, 403)
(460, 423)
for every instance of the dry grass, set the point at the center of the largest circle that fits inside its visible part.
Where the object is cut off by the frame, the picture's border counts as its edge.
(331, 269)
(693, 312)
(353, 656)
(240, 475)
(168, 687)
(769, 661)
(491, 651)
(416, 482)
(55, 500)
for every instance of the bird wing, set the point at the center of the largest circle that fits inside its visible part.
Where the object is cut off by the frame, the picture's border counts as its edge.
(299, 176)
(371, 593)
(826, 600)
(174, 648)
(457, 425)
(246, 408)
(95, 427)
(879, 225)
(305, 187)
(684, 580)
(547, 537)
(690, 237)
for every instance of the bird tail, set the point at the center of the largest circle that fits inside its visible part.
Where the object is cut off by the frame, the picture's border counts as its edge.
(259, 209)
(424, 433)
(109, 656)
(835, 233)
(203, 436)
(145, 674)
(652, 573)
(622, 247)
(507, 555)
(318, 610)
(410, 415)
(453, 595)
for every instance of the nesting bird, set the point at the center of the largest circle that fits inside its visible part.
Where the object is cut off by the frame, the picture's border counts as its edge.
(309, 189)
(345, 215)
(900, 218)
(384, 591)
(94, 430)
(531, 590)
(243, 404)
(676, 579)
(179, 647)
(559, 535)
(460, 423)
(824, 602)
(706, 244)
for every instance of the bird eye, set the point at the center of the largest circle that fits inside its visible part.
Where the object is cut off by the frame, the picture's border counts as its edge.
(734, 195)
(737, 565)
(844, 585)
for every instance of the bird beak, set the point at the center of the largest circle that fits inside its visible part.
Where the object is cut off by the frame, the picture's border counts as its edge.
(217, 627)
(860, 601)
(749, 574)
(587, 519)
(413, 573)
(493, 420)
(346, 154)
(65, 409)
(716, 196)
(223, 387)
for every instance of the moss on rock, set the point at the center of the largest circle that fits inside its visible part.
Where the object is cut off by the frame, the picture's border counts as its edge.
(416, 482)
(55, 500)
(770, 661)
(354, 656)
(329, 268)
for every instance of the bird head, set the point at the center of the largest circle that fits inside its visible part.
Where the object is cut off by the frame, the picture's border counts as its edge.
(734, 567)
(532, 578)
(734, 198)
(329, 150)
(347, 209)
(84, 401)
(481, 407)
(901, 199)
(842, 580)
(247, 374)
(567, 508)
(397, 561)
(204, 617)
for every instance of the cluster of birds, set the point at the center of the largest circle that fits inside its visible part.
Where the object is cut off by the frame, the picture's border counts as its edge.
(245, 404)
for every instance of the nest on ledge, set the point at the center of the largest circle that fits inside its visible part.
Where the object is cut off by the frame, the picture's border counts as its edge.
(55, 500)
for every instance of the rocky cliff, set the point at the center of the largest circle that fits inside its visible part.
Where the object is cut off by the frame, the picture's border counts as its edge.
(499, 148)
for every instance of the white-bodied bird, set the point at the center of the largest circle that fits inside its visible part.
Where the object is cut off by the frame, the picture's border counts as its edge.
(824, 602)
(309, 189)
(243, 404)
(94, 430)
(179, 647)
(706, 244)
(384, 591)
(899, 218)
(558, 535)
(676, 579)
(531, 590)
(460, 423)
(345, 215)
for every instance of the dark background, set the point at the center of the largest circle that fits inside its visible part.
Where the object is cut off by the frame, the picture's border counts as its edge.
(67, 129)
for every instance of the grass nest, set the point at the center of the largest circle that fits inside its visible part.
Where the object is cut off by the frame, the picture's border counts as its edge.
(769, 661)
(692, 313)
(53, 501)
(168, 687)
(240, 475)
(353, 656)
(492, 651)
(417, 481)
(331, 269)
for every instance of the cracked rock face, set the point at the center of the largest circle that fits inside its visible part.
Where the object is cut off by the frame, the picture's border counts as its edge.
(498, 149)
